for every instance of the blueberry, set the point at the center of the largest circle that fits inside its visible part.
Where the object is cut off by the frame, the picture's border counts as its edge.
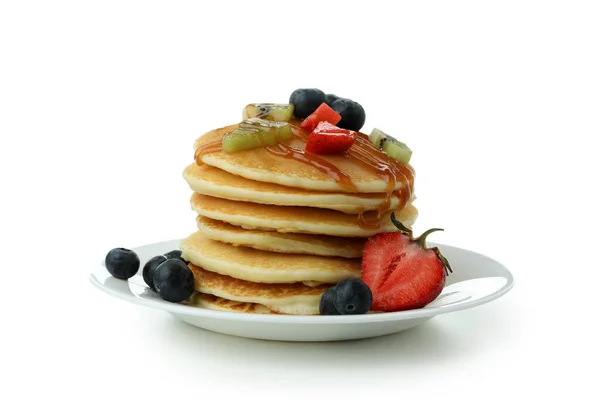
(174, 254)
(352, 296)
(330, 98)
(150, 269)
(326, 306)
(174, 281)
(353, 115)
(122, 263)
(306, 101)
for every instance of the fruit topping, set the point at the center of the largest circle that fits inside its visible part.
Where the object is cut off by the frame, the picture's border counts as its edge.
(329, 139)
(174, 254)
(122, 263)
(330, 98)
(393, 147)
(401, 271)
(326, 306)
(174, 281)
(254, 133)
(353, 115)
(350, 296)
(306, 101)
(322, 113)
(150, 269)
(269, 111)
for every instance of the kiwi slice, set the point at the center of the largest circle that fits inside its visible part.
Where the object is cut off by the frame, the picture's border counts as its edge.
(393, 147)
(255, 133)
(269, 111)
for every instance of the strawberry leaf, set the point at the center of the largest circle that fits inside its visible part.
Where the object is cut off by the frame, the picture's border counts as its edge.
(399, 225)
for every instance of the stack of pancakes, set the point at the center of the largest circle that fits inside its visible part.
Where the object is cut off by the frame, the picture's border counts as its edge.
(273, 232)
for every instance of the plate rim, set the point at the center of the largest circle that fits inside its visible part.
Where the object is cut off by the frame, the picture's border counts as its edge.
(185, 309)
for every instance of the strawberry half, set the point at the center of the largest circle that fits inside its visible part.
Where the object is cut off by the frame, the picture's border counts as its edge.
(329, 139)
(402, 273)
(322, 113)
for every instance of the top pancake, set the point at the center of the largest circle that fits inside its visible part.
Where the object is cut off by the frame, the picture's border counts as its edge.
(260, 165)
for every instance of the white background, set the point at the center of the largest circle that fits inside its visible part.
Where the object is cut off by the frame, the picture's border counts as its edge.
(100, 103)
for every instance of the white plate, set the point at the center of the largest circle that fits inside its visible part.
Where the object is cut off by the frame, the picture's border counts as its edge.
(476, 280)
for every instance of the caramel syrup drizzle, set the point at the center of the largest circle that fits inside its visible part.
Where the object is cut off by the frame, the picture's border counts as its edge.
(317, 162)
(212, 147)
(363, 152)
(370, 157)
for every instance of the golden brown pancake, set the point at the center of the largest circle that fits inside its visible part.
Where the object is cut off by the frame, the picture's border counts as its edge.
(265, 266)
(219, 183)
(219, 304)
(291, 243)
(284, 298)
(309, 220)
(260, 165)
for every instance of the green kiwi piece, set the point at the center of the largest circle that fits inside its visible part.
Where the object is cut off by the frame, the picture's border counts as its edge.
(269, 111)
(255, 133)
(393, 147)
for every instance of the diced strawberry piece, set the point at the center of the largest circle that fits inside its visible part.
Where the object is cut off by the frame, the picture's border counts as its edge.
(322, 113)
(401, 272)
(329, 139)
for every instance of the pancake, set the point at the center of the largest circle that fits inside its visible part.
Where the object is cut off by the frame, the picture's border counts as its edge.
(265, 266)
(218, 183)
(219, 304)
(292, 243)
(260, 165)
(283, 298)
(295, 219)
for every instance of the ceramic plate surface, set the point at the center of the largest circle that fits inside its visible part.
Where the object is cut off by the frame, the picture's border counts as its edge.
(476, 280)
